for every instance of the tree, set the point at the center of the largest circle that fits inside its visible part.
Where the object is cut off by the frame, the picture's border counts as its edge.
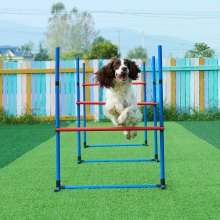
(200, 50)
(27, 49)
(70, 30)
(137, 53)
(42, 55)
(102, 50)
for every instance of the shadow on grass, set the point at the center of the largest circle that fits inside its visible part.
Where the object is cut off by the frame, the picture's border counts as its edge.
(16, 140)
(206, 130)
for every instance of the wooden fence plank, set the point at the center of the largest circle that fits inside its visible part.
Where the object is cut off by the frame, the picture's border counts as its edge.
(192, 87)
(29, 92)
(206, 87)
(96, 91)
(48, 94)
(1, 86)
(215, 86)
(187, 87)
(173, 84)
(87, 89)
(183, 87)
(211, 86)
(201, 86)
(178, 87)
(218, 86)
(196, 86)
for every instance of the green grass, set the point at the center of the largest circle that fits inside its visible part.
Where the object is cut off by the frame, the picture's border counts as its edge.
(208, 131)
(192, 176)
(17, 140)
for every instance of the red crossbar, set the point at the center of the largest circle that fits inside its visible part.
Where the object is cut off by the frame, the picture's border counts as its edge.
(103, 103)
(90, 84)
(146, 103)
(96, 84)
(149, 128)
(91, 103)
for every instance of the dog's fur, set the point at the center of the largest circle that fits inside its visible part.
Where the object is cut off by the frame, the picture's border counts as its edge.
(121, 105)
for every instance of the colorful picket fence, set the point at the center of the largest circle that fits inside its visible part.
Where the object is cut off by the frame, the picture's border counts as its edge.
(29, 87)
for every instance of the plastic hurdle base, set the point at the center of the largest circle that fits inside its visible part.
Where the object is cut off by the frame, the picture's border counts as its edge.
(129, 186)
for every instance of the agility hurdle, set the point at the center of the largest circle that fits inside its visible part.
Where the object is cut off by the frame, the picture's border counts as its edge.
(79, 129)
(144, 103)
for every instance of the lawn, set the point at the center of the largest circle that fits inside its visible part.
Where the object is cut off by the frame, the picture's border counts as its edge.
(192, 163)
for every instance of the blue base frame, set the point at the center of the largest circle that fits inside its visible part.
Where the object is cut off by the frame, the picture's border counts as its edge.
(115, 145)
(129, 186)
(118, 160)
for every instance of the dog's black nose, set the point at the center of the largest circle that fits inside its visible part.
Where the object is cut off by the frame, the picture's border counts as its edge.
(124, 69)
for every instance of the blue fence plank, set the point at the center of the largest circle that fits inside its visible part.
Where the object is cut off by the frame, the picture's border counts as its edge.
(211, 85)
(178, 88)
(101, 115)
(5, 92)
(206, 87)
(215, 86)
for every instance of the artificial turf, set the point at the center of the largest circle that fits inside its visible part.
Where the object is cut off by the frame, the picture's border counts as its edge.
(208, 131)
(192, 176)
(16, 140)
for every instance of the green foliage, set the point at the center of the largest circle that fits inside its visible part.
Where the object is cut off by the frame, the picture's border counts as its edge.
(102, 50)
(200, 50)
(170, 114)
(26, 118)
(99, 39)
(71, 55)
(42, 55)
(58, 8)
(137, 53)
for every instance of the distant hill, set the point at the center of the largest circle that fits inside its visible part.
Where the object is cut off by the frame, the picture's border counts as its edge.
(130, 39)
(16, 34)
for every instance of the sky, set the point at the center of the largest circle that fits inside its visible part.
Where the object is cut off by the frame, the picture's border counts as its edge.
(192, 20)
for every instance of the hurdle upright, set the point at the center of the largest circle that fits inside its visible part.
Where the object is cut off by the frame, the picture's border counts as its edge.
(79, 129)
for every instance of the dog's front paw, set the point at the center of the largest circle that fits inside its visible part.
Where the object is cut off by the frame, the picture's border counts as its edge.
(121, 119)
(127, 135)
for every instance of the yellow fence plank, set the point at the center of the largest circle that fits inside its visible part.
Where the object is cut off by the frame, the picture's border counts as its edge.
(201, 86)
(37, 71)
(28, 91)
(173, 84)
(1, 85)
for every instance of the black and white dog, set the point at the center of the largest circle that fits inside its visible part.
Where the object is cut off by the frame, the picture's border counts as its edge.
(121, 104)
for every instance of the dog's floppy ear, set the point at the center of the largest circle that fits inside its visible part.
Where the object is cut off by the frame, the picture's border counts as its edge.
(133, 70)
(105, 76)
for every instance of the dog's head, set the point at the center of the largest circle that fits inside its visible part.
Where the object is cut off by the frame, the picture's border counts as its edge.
(118, 70)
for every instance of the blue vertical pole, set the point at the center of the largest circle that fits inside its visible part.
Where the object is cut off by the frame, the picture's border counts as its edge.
(162, 167)
(84, 106)
(78, 111)
(57, 106)
(145, 107)
(155, 108)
